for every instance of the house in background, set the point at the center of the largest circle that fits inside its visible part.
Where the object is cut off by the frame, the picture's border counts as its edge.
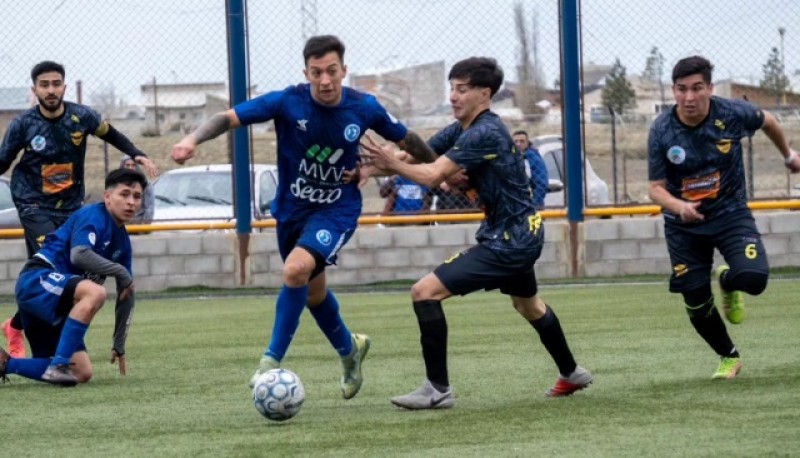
(406, 92)
(181, 107)
(13, 101)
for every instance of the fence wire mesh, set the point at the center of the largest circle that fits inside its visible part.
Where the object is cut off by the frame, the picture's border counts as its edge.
(157, 69)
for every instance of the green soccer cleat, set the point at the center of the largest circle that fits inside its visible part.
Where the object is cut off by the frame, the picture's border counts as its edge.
(728, 368)
(352, 378)
(732, 301)
(266, 363)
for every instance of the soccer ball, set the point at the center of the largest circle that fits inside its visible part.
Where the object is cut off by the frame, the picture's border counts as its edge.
(278, 394)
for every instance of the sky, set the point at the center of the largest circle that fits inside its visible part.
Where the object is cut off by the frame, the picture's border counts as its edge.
(122, 44)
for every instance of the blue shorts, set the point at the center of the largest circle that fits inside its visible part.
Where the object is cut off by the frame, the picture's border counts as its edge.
(322, 234)
(45, 298)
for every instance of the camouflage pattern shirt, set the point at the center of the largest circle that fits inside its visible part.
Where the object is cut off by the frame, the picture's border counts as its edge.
(50, 174)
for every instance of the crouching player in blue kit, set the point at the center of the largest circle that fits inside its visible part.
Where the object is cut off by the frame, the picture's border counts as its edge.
(318, 127)
(59, 289)
(509, 239)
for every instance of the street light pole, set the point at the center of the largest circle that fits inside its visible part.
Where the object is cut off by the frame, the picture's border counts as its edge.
(782, 32)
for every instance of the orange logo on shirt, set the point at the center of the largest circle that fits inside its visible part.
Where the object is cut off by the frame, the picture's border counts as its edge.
(704, 187)
(56, 178)
(77, 138)
(724, 146)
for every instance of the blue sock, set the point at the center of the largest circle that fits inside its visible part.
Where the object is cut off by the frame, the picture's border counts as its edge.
(31, 368)
(71, 338)
(331, 323)
(288, 308)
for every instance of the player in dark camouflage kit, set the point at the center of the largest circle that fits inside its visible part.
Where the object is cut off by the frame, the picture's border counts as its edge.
(48, 184)
(509, 239)
(697, 175)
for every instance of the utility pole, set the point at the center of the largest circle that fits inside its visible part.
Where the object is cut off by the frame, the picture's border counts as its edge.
(308, 14)
(782, 32)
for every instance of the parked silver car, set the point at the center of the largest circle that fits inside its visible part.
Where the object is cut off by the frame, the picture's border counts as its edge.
(551, 148)
(205, 192)
(9, 219)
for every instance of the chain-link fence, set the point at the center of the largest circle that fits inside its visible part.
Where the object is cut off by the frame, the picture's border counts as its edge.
(157, 69)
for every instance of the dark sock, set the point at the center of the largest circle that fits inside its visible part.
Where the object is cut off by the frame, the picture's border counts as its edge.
(712, 329)
(553, 339)
(433, 338)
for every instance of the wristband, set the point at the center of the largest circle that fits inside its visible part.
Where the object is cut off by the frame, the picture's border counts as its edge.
(788, 160)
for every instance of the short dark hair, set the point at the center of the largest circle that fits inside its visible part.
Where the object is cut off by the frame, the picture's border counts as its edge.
(480, 71)
(520, 132)
(125, 176)
(46, 67)
(692, 66)
(318, 46)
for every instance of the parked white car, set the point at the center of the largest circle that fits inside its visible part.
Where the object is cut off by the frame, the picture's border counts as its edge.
(9, 219)
(205, 192)
(551, 148)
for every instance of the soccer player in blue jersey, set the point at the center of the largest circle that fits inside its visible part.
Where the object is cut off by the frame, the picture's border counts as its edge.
(318, 127)
(48, 183)
(60, 289)
(697, 176)
(536, 168)
(509, 239)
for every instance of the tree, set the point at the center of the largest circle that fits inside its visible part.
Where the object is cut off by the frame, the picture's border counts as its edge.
(775, 82)
(618, 93)
(530, 76)
(104, 100)
(654, 71)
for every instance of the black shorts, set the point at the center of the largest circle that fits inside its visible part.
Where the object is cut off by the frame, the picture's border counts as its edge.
(691, 249)
(36, 224)
(479, 267)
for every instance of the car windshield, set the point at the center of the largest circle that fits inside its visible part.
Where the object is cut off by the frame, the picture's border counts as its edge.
(553, 161)
(202, 188)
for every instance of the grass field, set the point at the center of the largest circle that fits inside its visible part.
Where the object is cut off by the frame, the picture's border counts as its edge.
(190, 359)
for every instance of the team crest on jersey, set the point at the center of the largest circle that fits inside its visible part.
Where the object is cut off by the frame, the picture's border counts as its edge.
(680, 269)
(724, 146)
(352, 132)
(77, 138)
(38, 143)
(676, 154)
(92, 238)
(324, 237)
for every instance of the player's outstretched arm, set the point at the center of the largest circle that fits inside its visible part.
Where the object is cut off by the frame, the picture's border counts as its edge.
(122, 322)
(214, 127)
(414, 145)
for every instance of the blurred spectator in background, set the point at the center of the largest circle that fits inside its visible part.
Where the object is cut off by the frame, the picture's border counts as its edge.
(145, 213)
(537, 170)
(404, 196)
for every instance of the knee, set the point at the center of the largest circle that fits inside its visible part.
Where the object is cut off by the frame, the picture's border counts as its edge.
(296, 273)
(90, 296)
(83, 376)
(753, 283)
(418, 292)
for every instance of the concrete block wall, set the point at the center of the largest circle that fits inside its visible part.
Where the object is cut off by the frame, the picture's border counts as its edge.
(610, 247)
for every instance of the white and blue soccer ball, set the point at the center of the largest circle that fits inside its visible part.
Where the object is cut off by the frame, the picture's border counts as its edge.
(278, 394)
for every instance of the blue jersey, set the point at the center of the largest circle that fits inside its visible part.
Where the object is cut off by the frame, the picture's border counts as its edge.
(316, 145)
(538, 175)
(50, 173)
(410, 196)
(496, 170)
(91, 226)
(704, 163)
